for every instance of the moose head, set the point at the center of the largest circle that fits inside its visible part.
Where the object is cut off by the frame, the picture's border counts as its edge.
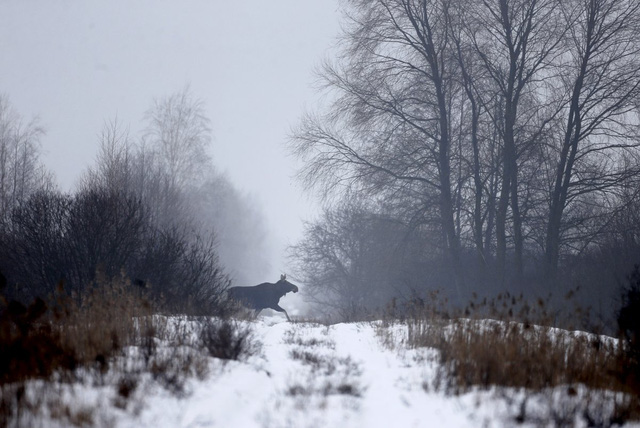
(288, 286)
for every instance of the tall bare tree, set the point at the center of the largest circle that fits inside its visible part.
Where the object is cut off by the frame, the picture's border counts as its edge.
(173, 156)
(179, 132)
(477, 131)
(21, 172)
(516, 41)
(601, 79)
(178, 184)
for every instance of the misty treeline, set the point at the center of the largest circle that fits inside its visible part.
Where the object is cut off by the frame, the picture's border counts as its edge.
(475, 146)
(152, 209)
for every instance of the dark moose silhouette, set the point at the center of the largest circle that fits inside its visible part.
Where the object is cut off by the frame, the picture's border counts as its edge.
(262, 296)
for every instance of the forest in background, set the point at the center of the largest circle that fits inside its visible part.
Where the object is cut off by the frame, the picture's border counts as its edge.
(475, 147)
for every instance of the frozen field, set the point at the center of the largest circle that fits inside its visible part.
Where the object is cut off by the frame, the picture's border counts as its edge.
(311, 375)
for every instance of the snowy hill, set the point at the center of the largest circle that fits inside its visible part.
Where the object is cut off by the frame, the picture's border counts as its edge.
(312, 375)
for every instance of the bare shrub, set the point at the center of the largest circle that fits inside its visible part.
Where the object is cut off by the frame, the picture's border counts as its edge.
(127, 385)
(227, 340)
(68, 332)
(53, 236)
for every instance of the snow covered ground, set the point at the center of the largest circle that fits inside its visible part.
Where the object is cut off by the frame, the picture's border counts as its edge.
(311, 375)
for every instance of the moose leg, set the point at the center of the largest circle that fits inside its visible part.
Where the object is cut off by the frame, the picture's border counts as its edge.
(279, 309)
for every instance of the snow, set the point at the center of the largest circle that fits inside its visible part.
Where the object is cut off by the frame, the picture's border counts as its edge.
(310, 375)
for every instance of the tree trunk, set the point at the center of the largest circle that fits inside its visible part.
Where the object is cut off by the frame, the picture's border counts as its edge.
(446, 200)
(501, 220)
(564, 170)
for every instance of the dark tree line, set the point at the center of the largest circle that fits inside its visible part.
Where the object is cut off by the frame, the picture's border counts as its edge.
(504, 133)
(148, 210)
(54, 238)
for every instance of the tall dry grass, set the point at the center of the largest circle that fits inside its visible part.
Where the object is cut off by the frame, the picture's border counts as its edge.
(67, 332)
(107, 317)
(61, 334)
(507, 342)
(111, 335)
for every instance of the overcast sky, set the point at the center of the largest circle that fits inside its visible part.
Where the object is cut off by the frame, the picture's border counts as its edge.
(77, 64)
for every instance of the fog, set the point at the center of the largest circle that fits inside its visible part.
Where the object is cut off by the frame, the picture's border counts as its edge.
(77, 65)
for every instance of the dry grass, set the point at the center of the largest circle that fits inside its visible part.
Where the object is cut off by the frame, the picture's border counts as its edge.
(103, 321)
(57, 338)
(108, 336)
(486, 353)
(327, 375)
(507, 343)
(324, 374)
(68, 333)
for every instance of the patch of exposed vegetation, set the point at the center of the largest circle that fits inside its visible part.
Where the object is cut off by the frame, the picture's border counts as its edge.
(507, 342)
(110, 337)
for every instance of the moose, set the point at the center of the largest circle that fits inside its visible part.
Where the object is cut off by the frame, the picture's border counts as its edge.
(263, 296)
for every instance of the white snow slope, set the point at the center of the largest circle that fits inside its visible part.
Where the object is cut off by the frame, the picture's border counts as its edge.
(310, 375)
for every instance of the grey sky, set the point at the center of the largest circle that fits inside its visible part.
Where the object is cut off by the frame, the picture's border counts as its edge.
(77, 64)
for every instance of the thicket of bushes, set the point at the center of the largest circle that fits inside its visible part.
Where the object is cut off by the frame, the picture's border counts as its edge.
(54, 237)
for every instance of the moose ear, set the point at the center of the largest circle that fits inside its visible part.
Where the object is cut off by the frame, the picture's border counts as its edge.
(283, 277)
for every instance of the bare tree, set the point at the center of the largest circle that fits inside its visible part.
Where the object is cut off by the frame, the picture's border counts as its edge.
(477, 131)
(516, 41)
(21, 172)
(114, 166)
(179, 132)
(602, 83)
